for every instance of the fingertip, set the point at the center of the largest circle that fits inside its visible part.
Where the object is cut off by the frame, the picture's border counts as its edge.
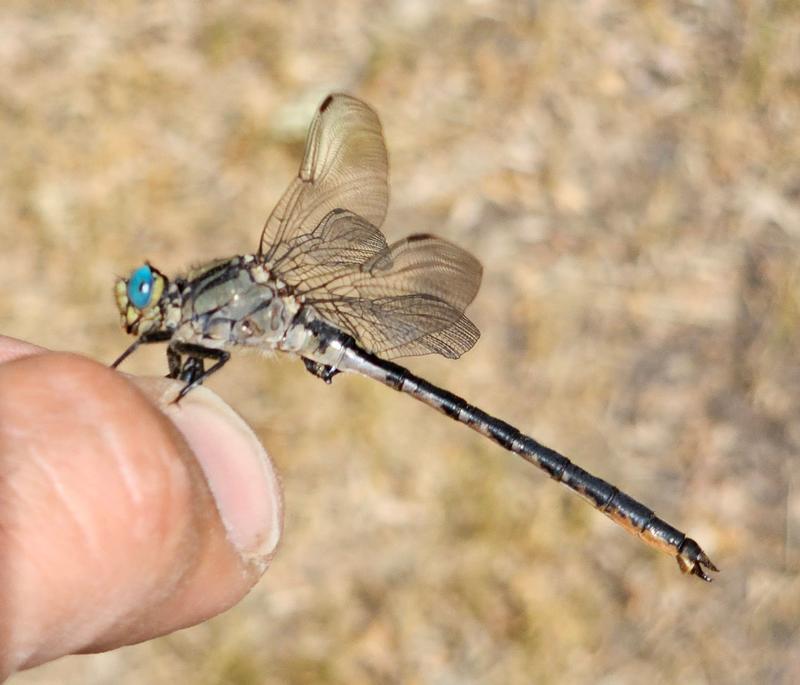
(108, 521)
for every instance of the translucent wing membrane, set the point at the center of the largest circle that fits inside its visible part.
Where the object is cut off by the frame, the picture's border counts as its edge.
(409, 299)
(403, 326)
(323, 240)
(402, 299)
(423, 264)
(344, 167)
(340, 243)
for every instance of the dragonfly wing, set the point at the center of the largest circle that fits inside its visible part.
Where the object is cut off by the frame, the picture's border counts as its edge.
(334, 250)
(403, 326)
(323, 239)
(345, 166)
(423, 263)
(403, 299)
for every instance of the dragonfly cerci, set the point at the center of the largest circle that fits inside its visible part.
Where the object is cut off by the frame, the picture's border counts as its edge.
(326, 286)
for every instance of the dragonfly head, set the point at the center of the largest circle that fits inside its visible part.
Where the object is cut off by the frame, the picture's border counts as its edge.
(139, 299)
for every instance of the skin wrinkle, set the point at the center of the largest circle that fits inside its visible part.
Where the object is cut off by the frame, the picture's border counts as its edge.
(160, 458)
(168, 475)
(11, 650)
(133, 487)
(65, 386)
(180, 546)
(85, 527)
(28, 646)
(109, 436)
(183, 547)
(173, 579)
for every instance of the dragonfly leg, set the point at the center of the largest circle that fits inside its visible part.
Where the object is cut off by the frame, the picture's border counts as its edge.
(187, 370)
(193, 371)
(174, 363)
(323, 371)
(146, 339)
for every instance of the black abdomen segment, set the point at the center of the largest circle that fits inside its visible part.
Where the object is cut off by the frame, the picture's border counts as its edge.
(621, 508)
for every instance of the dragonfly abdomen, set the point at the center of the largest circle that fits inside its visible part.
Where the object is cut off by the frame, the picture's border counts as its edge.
(620, 507)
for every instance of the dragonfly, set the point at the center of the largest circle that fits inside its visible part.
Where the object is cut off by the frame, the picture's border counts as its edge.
(327, 286)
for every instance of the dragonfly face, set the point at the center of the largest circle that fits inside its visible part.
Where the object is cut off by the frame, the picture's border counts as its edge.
(142, 300)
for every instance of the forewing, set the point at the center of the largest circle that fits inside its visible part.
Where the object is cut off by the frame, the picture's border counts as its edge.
(345, 166)
(336, 249)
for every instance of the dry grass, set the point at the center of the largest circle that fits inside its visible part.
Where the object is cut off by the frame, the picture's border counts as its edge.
(628, 174)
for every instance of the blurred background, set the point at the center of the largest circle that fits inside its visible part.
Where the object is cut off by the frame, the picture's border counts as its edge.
(628, 174)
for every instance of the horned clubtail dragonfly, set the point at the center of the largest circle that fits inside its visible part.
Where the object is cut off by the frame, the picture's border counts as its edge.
(325, 285)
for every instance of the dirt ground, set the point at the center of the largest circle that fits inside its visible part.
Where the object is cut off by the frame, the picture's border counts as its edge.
(628, 174)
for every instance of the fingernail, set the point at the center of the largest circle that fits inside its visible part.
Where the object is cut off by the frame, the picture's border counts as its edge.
(240, 475)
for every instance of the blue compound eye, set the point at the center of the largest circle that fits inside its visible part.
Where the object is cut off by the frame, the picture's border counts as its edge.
(140, 287)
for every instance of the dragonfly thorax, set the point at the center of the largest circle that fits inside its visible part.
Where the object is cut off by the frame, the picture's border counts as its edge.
(234, 302)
